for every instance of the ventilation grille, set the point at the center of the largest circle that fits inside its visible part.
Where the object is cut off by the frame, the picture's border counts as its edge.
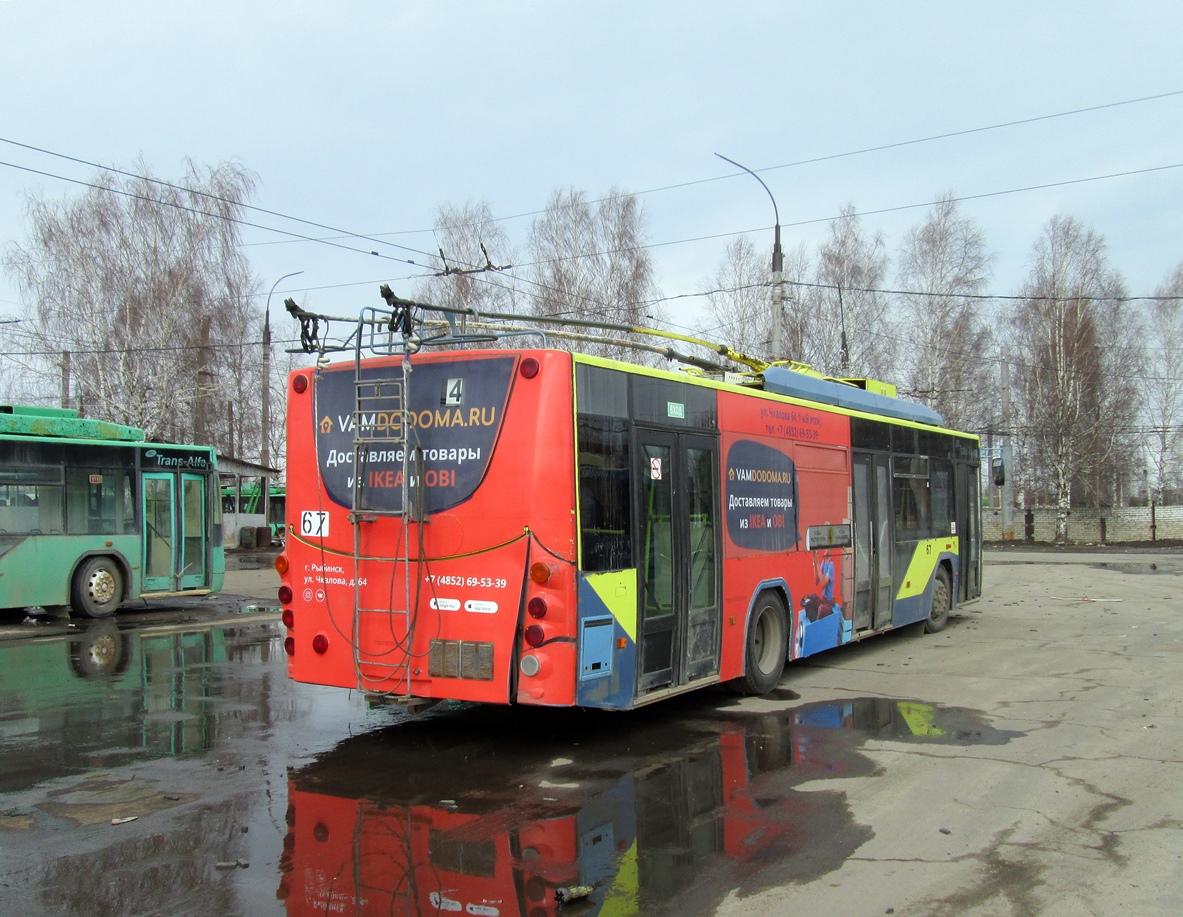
(460, 659)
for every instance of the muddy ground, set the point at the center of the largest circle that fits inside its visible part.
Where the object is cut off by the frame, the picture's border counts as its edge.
(1024, 761)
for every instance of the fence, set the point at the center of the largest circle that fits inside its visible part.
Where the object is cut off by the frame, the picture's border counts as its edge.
(1109, 525)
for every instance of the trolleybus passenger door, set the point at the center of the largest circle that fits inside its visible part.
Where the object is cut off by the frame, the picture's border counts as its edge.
(679, 613)
(193, 510)
(159, 532)
(872, 541)
(968, 507)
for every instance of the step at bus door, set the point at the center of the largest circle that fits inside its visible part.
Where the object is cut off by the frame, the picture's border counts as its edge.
(872, 541)
(678, 563)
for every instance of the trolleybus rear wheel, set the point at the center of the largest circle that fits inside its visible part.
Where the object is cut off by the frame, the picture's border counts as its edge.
(767, 644)
(98, 588)
(938, 612)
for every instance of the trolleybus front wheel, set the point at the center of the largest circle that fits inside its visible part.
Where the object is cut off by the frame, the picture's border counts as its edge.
(102, 650)
(938, 612)
(767, 644)
(98, 588)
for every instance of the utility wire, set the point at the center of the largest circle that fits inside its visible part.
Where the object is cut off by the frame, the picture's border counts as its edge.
(292, 236)
(843, 155)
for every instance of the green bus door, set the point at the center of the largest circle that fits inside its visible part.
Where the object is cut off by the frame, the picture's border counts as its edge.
(174, 532)
(193, 509)
(160, 532)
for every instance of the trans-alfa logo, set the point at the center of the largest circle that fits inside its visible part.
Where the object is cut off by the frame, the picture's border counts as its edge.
(761, 497)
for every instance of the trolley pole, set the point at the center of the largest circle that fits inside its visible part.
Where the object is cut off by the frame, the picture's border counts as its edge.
(1008, 488)
(265, 420)
(778, 266)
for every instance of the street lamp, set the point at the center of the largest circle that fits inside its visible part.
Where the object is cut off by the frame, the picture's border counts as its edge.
(778, 262)
(265, 452)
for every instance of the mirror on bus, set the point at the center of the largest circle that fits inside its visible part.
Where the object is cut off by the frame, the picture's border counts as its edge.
(998, 469)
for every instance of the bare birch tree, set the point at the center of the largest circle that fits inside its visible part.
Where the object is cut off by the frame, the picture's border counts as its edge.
(590, 263)
(739, 309)
(738, 305)
(850, 276)
(1072, 337)
(145, 285)
(1164, 389)
(943, 265)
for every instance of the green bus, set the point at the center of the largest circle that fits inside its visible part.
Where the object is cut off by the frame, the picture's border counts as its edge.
(246, 500)
(92, 515)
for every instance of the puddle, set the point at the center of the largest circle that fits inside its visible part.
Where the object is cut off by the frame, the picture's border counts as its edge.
(113, 692)
(494, 812)
(1142, 569)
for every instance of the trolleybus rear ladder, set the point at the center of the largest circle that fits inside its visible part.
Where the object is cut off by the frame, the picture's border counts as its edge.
(380, 424)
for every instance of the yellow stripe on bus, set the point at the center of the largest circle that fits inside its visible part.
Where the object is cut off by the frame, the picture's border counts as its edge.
(623, 897)
(618, 592)
(924, 561)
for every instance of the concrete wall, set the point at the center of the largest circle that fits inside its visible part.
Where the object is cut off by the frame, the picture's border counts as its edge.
(1121, 523)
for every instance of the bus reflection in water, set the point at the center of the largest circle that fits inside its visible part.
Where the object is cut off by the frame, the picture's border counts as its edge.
(655, 814)
(105, 696)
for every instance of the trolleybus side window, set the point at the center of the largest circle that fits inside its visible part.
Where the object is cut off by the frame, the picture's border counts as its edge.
(604, 470)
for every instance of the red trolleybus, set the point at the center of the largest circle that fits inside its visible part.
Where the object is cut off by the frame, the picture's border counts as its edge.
(541, 527)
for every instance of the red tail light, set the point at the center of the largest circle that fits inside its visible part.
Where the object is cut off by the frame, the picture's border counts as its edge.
(535, 635)
(300, 384)
(537, 607)
(289, 646)
(285, 595)
(289, 619)
(320, 643)
(529, 368)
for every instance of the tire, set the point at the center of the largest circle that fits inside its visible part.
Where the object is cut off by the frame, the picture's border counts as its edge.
(767, 645)
(97, 589)
(938, 611)
(103, 650)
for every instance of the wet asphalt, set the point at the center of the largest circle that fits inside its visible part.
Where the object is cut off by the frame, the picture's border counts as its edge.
(163, 763)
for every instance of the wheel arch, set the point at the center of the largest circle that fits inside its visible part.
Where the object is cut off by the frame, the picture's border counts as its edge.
(120, 560)
(780, 587)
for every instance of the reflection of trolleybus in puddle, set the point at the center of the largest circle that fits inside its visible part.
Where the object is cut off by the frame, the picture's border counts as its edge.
(499, 831)
(549, 528)
(104, 695)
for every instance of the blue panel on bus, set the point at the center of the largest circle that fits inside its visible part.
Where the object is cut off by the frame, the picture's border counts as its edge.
(595, 647)
(788, 382)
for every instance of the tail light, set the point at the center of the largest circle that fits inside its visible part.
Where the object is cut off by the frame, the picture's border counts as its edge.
(289, 619)
(320, 643)
(285, 594)
(289, 646)
(535, 635)
(537, 607)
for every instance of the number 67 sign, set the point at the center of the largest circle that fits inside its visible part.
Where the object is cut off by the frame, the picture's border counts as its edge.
(314, 524)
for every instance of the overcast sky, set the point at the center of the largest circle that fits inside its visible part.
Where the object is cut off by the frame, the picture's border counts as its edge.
(368, 116)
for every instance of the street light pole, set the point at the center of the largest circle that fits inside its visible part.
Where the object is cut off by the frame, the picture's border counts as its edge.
(778, 264)
(265, 451)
